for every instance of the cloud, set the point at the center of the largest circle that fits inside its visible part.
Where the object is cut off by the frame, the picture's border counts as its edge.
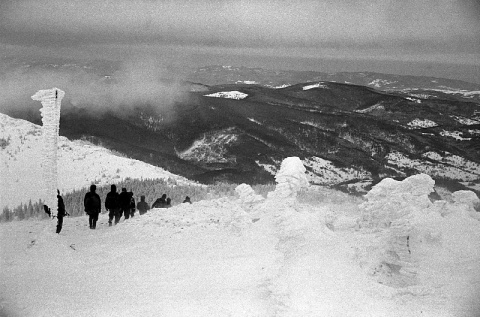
(240, 22)
(139, 81)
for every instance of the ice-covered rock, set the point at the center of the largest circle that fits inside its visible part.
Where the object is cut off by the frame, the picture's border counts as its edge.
(247, 194)
(464, 204)
(401, 213)
(51, 101)
(465, 197)
(408, 233)
(280, 209)
(290, 179)
(391, 199)
(465, 201)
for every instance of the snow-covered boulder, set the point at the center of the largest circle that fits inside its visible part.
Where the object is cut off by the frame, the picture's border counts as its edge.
(400, 213)
(410, 233)
(390, 200)
(465, 197)
(281, 209)
(290, 179)
(247, 194)
(464, 202)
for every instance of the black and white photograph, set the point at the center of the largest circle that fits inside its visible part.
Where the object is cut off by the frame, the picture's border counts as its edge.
(240, 158)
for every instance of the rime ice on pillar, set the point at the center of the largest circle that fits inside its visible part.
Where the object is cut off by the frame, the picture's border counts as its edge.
(283, 200)
(51, 101)
(290, 179)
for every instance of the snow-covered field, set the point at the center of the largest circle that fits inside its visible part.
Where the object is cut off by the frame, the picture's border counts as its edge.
(397, 254)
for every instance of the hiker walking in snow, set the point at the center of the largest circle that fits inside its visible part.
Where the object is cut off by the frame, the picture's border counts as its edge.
(160, 202)
(93, 206)
(168, 204)
(125, 203)
(132, 204)
(142, 206)
(61, 212)
(112, 204)
(187, 200)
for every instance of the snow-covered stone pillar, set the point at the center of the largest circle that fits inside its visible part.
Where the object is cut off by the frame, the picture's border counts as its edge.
(283, 200)
(51, 101)
(290, 179)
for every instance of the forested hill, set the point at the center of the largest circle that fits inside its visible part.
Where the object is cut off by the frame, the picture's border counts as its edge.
(347, 135)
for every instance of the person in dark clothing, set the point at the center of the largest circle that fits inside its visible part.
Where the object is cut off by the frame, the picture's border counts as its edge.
(112, 205)
(47, 210)
(125, 203)
(160, 202)
(132, 204)
(168, 204)
(93, 206)
(61, 212)
(187, 200)
(142, 206)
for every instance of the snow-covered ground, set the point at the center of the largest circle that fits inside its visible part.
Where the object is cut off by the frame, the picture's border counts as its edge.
(254, 257)
(377, 106)
(326, 173)
(317, 85)
(443, 89)
(279, 86)
(448, 90)
(454, 134)
(229, 95)
(247, 82)
(211, 148)
(420, 124)
(448, 166)
(465, 121)
(80, 164)
(379, 83)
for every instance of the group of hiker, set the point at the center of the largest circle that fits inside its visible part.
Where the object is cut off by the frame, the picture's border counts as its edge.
(120, 204)
(117, 205)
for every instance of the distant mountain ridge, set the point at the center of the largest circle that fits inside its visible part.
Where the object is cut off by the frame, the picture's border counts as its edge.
(433, 86)
(347, 134)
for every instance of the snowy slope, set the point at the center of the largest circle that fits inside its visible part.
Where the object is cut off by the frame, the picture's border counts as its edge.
(214, 258)
(451, 91)
(449, 166)
(211, 148)
(80, 164)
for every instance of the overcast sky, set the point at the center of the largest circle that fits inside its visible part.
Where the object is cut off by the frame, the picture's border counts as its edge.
(445, 31)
